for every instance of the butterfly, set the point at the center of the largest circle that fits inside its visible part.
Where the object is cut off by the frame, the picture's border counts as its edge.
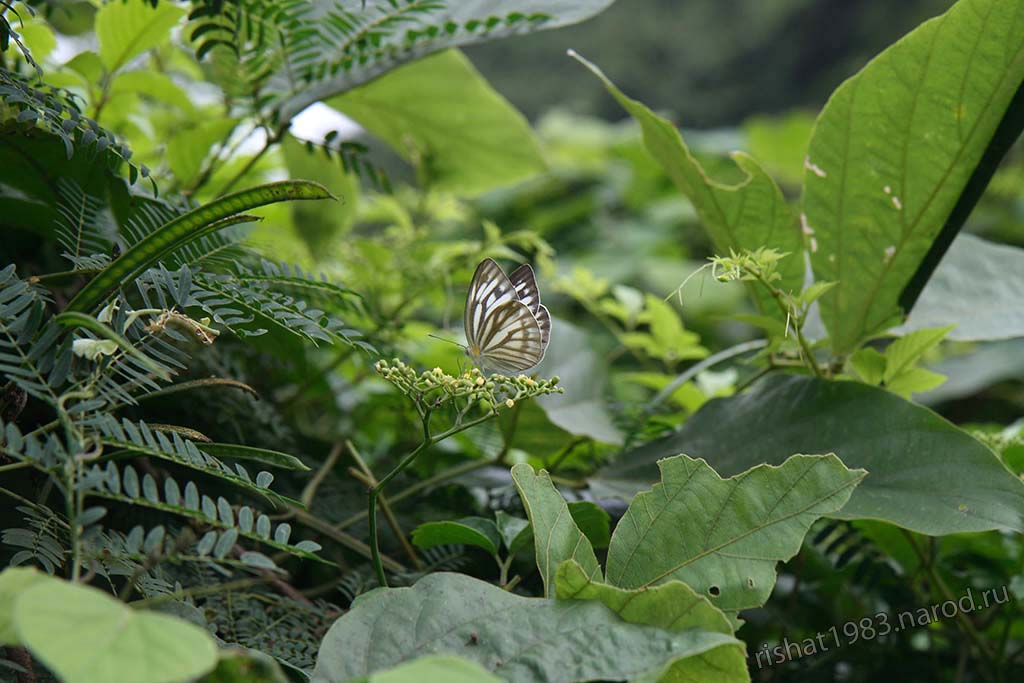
(506, 325)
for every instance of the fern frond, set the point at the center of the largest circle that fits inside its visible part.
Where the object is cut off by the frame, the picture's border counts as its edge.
(44, 542)
(123, 485)
(29, 352)
(45, 451)
(84, 229)
(241, 305)
(138, 438)
(283, 628)
(292, 278)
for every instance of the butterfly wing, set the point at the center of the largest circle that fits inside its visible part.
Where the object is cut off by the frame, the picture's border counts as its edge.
(503, 333)
(489, 289)
(525, 284)
(513, 340)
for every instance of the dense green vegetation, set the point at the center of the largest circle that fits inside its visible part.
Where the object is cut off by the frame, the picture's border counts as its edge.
(776, 433)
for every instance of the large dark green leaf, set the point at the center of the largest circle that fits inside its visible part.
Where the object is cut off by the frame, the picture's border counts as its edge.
(894, 151)
(925, 474)
(723, 537)
(532, 640)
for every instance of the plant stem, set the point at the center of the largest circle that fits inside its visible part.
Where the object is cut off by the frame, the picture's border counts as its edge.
(365, 475)
(14, 466)
(413, 489)
(428, 441)
(371, 510)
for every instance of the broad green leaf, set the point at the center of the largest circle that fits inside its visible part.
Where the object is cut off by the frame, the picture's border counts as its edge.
(188, 148)
(440, 113)
(39, 38)
(216, 215)
(593, 521)
(590, 518)
(531, 640)
(405, 36)
(153, 84)
(475, 531)
(746, 216)
(315, 223)
(435, 669)
(869, 364)
(915, 380)
(86, 636)
(926, 475)
(723, 537)
(127, 29)
(581, 410)
(901, 375)
(893, 153)
(978, 286)
(556, 536)
(905, 352)
(673, 606)
(13, 582)
(515, 531)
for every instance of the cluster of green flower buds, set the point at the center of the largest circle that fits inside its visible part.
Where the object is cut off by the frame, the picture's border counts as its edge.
(434, 388)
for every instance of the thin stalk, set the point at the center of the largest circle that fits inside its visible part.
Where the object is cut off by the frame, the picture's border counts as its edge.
(14, 466)
(428, 441)
(365, 475)
(309, 492)
(413, 489)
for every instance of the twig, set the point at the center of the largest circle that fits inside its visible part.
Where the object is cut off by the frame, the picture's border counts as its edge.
(310, 490)
(700, 367)
(413, 489)
(313, 522)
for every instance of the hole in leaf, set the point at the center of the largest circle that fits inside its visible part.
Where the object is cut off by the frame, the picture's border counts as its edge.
(714, 591)
(750, 581)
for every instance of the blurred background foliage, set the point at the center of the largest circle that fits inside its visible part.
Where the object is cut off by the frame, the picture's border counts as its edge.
(612, 240)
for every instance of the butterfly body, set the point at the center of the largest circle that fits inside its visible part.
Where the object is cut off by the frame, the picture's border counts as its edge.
(507, 328)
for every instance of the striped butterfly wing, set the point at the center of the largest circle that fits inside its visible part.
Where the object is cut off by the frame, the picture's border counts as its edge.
(525, 284)
(503, 333)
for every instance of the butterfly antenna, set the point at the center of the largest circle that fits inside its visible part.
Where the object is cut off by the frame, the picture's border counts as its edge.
(461, 346)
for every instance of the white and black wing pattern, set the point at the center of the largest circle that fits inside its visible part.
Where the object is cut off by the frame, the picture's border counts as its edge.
(525, 284)
(503, 333)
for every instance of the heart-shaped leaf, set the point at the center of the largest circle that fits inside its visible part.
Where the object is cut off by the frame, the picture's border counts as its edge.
(86, 636)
